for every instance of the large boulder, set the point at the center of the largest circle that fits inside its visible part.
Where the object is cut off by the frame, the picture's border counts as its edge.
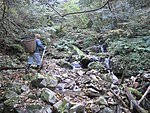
(85, 61)
(116, 65)
(45, 81)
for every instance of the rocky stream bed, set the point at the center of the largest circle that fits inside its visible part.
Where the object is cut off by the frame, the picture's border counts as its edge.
(85, 86)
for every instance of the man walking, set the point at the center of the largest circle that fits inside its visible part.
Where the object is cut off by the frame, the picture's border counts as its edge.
(35, 56)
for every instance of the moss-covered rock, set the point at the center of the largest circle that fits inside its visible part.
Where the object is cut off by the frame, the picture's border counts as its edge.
(62, 106)
(12, 101)
(10, 94)
(96, 65)
(44, 81)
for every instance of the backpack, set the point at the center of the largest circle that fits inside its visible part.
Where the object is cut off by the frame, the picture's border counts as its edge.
(29, 44)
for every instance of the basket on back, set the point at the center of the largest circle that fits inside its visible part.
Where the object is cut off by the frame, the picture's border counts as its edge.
(29, 44)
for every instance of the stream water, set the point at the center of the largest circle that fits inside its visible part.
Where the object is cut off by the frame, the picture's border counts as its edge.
(99, 48)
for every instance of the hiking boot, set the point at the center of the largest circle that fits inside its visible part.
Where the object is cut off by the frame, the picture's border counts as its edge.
(39, 68)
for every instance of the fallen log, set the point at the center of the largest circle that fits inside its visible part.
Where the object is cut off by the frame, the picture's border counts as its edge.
(133, 103)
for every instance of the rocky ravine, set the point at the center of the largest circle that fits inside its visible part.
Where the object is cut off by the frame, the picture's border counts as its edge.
(61, 90)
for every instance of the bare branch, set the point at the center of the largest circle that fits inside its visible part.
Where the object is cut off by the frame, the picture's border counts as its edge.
(118, 98)
(133, 102)
(17, 25)
(87, 10)
(79, 12)
(55, 10)
(147, 91)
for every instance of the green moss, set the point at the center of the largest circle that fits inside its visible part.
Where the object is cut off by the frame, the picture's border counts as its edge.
(136, 92)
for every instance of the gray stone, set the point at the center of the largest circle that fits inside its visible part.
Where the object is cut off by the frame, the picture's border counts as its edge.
(39, 82)
(101, 101)
(10, 94)
(95, 108)
(70, 85)
(48, 81)
(51, 82)
(32, 96)
(48, 95)
(76, 65)
(33, 108)
(24, 88)
(78, 108)
(106, 110)
(1, 108)
(17, 87)
(58, 104)
(46, 109)
(115, 80)
(60, 86)
(11, 101)
(86, 79)
(92, 92)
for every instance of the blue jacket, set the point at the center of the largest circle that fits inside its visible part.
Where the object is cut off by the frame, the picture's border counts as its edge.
(38, 45)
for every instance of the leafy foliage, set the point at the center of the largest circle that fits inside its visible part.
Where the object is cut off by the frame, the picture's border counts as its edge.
(131, 54)
(71, 6)
(91, 3)
(79, 21)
